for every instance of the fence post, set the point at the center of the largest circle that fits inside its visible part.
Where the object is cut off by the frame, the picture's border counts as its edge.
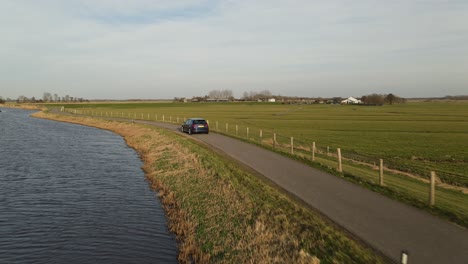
(148, 116)
(178, 120)
(328, 150)
(247, 133)
(227, 127)
(170, 119)
(237, 130)
(340, 167)
(292, 145)
(313, 151)
(261, 136)
(216, 125)
(432, 190)
(163, 118)
(381, 179)
(404, 257)
(274, 140)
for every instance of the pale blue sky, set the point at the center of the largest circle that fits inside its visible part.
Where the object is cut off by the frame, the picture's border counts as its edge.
(117, 49)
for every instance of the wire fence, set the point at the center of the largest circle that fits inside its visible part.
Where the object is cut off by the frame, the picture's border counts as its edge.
(414, 181)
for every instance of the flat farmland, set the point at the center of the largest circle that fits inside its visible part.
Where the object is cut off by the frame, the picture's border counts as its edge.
(413, 137)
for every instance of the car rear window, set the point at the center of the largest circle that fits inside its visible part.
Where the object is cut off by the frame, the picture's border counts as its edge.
(199, 121)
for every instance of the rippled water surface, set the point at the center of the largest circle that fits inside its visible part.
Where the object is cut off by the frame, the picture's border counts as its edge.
(74, 194)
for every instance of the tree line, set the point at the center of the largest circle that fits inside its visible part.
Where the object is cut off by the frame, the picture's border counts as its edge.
(46, 98)
(380, 99)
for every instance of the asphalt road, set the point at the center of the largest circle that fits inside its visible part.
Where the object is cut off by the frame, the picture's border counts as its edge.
(386, 225)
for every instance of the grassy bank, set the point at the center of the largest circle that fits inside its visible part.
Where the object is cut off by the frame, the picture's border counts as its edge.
(222, 214)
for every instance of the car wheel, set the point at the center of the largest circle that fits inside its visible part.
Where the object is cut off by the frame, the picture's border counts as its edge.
(190, 131)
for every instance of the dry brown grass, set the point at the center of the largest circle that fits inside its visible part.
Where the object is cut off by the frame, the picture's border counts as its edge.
(221, 214)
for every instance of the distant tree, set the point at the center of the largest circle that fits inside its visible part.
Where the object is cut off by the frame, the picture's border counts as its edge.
(2, 101)
(22, 99)
(56, 98)
(47, 97)
(373, 99)
(33, 99)
(390, 99)
(252, 96)
(220, 94)
(393, 99)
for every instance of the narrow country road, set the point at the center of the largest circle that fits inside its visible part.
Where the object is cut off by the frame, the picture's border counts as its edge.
(385, 224)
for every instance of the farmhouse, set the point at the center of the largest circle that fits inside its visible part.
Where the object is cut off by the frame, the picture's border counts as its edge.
(351, 100)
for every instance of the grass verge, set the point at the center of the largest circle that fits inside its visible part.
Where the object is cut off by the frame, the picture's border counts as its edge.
(222, 214)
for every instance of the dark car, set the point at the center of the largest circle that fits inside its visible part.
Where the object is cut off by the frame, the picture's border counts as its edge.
(195, 125)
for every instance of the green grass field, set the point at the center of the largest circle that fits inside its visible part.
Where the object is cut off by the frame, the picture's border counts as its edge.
(415, 138)
(412, 137)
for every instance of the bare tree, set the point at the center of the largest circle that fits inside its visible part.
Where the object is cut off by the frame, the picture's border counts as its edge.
(220, 94)
(373, 99)
(47, 97)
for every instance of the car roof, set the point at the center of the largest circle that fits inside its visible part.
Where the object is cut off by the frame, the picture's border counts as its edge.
(196, 118)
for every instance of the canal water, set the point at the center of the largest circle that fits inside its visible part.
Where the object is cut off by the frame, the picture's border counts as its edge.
(75, 194)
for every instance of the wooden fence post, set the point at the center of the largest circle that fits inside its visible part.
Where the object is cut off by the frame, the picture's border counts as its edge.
(340, 167)
(292, 145)
(247, 133)
(274, 140)
(237, 130)
(313, 151)
(432, 189)
(381, 177)
(163, 118)
(216, 125)
(227, 127)
(404, 257)
(148, 116)
(261, 136)
(328, 150)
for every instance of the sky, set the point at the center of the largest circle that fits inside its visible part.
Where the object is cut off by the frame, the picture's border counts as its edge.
(161, 49)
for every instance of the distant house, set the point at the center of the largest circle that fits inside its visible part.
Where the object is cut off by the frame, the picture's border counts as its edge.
(272, 100)
(351, 100)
